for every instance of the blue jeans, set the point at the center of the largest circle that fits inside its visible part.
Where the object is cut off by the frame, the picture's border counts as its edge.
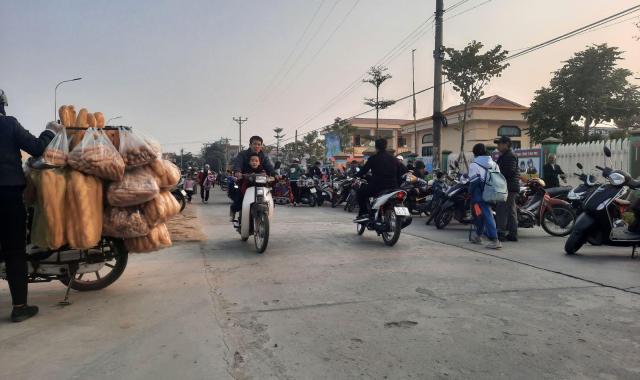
(485, 224)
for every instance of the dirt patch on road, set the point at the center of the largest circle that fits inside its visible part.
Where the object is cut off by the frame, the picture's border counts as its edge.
(186, 226)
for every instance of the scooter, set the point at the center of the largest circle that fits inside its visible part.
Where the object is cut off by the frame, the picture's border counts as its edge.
(601, 221)
(456, 202)
(536, 207)
(581, 192)
(180, 195)
(308, 192)
(324, 192)
(282, 193)
(257, 211)
(388, 215)
(419, 194)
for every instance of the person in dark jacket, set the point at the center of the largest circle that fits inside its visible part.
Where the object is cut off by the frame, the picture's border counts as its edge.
(385, 170)
(315, 170)
(506, 212)
(551, 172)
(13, 139)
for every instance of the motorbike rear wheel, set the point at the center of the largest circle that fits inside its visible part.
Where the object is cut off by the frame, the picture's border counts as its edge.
(111, 271)
(575, 241)
(360, 227)
(261, 231)
(182, 201)
(559, 221)
(392, 234)
(443, 218)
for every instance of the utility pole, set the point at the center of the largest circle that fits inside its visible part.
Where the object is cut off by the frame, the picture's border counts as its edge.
(296, 143)
(413, 80)
(438, 56)
(240, 120)
(181, 158)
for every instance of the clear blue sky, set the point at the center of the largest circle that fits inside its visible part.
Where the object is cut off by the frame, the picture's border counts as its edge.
(180, 70)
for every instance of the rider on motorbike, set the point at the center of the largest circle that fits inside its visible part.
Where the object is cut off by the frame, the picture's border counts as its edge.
(241, 165)
(315, 170)
(13, 138)
(386, 173)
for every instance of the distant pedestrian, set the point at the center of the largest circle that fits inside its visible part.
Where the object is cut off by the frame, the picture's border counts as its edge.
(551, 172)
(483, 216)
(207, 185)
(506, 212)
(202, 176)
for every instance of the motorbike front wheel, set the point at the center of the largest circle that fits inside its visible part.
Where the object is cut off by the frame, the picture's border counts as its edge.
(360, 227)
(393, 228)
(559, 221)
(575, 241)
(443, 218)
(111, 271)
(261, 231)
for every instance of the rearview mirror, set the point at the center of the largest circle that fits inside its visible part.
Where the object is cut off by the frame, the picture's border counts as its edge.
(579, 165)
(451, 167)
(456, 164)
(607, 151)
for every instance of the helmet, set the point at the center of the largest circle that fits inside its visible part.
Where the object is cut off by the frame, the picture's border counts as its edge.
(296, 160)
(3, 98)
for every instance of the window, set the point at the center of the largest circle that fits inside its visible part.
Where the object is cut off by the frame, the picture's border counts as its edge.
(402, 141)
(427, 151)
(515, 144)
(509, 130)
(356, 140)
(427, 139)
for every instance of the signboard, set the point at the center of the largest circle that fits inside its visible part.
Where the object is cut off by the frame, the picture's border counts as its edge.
(331, 144)
(529, 162)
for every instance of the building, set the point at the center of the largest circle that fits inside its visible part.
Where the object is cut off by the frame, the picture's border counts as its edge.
(364, 134)
(487, 119)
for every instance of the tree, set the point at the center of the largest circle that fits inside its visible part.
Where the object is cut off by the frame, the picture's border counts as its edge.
(628, 122)
(214, 155)
(278, 137)
(313, 146)
(345, 132)
(470, 71)
(376, 77)
(591, 89)
(546, 119)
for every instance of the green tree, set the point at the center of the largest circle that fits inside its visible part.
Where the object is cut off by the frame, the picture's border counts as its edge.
(278, 138)
(592, 89)
(345, 132)
(470, 71)
(377, 76)
(546, 119)
(214, 155)
(313, 146)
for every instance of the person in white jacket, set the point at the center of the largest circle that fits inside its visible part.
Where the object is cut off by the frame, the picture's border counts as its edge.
(483, 216)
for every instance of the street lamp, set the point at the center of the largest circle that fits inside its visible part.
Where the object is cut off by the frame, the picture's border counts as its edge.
(113, 118)
(55, 96)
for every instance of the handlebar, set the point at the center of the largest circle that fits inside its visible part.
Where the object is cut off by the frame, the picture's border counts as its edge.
(599, 168)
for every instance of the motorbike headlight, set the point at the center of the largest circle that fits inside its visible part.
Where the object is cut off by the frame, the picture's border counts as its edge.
(617, 179)
(572, 195)
(261, 179)
(259, 191)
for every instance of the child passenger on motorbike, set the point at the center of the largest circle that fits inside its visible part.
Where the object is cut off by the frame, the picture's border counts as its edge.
(255, 167)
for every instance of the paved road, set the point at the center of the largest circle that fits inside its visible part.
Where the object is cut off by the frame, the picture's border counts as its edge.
(323, 303)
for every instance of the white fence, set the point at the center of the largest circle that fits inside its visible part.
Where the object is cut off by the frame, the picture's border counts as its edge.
(590, 155)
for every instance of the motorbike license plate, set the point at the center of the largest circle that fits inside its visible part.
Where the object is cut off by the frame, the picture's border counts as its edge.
(401, 211)
(184, 193)
(312, 190)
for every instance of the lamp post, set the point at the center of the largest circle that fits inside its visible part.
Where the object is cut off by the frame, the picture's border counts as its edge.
(413, 80)
(113, 118)
(55, 96)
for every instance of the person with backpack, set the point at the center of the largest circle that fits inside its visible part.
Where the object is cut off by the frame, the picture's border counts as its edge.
(483, 175)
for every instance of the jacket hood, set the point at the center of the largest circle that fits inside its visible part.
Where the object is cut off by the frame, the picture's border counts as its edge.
(485, 161)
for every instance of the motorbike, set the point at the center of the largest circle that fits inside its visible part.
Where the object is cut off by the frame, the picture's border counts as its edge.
(282, 193)
(454, 203)
(78, 269)
(324, 192)
(419, 194)
(257, 211)
(579, 193)
(389, 217)
(308, 192)
(601, 222)
(536, 207)
(179, 193)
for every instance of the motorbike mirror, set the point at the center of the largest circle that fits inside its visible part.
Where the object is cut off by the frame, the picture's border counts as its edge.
(456, 164)
(579, 165)
(607, 151)
(451, 167)
(357, 170)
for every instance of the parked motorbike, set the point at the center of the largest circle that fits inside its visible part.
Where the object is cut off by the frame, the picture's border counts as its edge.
(180, 195)
(536, 207)
(390, 215)
(308, 192)
(324, 192)
(419, 194)
(601, 221)
(455, 203)
(257, 211)
(581, 192)
(282, 193)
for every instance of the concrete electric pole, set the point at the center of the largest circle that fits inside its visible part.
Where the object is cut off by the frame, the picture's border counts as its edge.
(240, 120)
(438, 56)
(413, 82)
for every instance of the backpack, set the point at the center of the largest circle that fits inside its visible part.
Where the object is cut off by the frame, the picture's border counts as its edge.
(494, 187)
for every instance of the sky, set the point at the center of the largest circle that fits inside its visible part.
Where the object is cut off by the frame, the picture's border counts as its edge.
(181, 70)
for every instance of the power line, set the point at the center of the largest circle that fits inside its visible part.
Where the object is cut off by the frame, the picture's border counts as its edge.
(295, 47)
(531, 49)
(467, 10)
(454, 6)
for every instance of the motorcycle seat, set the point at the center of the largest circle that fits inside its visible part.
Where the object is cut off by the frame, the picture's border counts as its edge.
(384, 192)
(622, 202)
(555, 191)
(623, 233)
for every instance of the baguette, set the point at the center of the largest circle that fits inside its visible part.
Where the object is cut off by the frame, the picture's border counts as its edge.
(157, 238)
(81, 120)
(84, 210)
(99, 120)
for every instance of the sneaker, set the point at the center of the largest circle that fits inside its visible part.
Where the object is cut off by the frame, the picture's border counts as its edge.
(475, 238)
(361, 218)
(494, 244)
(23, 313)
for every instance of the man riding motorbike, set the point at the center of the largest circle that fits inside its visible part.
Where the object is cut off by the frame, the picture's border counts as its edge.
(353, 169)
(13, 138)
(386, 173)
(241, 165)
(315, 170)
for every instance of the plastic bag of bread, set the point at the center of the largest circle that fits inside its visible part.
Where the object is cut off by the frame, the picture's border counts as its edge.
(124, 223)
(137, 187)
(55, 154)
(167, 173)
(157, 238)
(96, 155)
(161, 208)
(135, 150)
(83, 210)
(50, 208)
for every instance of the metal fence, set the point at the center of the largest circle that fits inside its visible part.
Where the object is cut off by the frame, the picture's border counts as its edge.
(591, 154)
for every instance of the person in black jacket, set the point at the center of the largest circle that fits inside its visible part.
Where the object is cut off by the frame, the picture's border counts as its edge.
(13, 139)
(386, 171)
(315, 171)
(506, 212)
(551, 172)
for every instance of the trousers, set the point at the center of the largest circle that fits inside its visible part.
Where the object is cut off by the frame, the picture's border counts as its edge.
(485, 224)
(507, 216)
(12, 241)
